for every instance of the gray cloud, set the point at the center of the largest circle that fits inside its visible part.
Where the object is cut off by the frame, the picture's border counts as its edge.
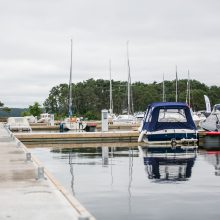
(35, 43)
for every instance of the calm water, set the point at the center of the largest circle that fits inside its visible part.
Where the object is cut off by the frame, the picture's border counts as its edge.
(139, 183)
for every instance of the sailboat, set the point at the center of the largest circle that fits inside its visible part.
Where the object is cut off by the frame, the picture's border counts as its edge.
(72, 123)
(127, 118)
(196, 117)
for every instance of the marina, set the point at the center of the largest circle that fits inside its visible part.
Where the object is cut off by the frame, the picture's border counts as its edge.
(99, 168)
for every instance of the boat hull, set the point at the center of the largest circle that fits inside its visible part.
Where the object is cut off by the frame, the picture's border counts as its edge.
(169, 137)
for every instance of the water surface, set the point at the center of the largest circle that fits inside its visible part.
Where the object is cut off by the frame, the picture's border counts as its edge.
(139, 183)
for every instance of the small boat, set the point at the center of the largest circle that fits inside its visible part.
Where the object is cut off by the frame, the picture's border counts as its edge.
(18, 124)
(124, 119)
(44, 118)
(168, 123)
(73, 123)
(212, 122)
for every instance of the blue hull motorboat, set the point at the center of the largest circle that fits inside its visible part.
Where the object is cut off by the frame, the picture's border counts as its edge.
(168, 123)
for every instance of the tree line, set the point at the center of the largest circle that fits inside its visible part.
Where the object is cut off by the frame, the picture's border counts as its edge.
(91, 96)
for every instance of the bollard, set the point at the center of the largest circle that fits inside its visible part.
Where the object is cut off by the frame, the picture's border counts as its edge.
(40, 173)
(28, 157)
(83, 217)
(104, 120)
(19, 144)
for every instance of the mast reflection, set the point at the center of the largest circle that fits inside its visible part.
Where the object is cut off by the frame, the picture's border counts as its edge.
(168, 164)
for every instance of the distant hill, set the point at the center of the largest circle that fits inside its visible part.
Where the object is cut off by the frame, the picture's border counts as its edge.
(15, 112)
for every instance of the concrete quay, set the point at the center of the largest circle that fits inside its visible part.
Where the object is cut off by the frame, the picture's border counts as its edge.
(28, 190)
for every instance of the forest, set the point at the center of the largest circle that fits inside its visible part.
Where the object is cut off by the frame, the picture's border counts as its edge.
(91, 96)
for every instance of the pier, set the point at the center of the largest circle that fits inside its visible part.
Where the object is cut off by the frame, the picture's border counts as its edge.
(28, 190)
(77, 137)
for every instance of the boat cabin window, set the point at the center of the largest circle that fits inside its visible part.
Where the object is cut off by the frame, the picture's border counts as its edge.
(149, 115)
(172, 115)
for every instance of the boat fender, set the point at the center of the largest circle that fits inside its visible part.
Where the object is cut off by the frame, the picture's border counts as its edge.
(173, 143)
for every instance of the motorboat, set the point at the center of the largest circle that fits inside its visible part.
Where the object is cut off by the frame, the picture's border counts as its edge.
(168, 164)
(44, 118)
(124, 119)
(31, 119)
(168, 123)
(18, 124)
(212, 122)
(73, 123)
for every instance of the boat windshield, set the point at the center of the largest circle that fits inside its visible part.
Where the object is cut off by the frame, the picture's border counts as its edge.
(216, 108)
(172, 115)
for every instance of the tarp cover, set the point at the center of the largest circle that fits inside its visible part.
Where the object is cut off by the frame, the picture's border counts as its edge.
(154, 110)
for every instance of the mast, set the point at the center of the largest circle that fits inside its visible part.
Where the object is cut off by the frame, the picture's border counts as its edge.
(163, 90)
(188, 95)
(111, 101)
(129, 82)
(70, 83)
(176, 85)
(189, 89)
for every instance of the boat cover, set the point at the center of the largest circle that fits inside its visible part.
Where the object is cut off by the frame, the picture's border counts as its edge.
(154, 125)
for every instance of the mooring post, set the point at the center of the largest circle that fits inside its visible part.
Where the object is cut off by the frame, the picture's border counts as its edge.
(104, 120)
(40, 173)
(18, 144)
(82, 217)
(28, 157)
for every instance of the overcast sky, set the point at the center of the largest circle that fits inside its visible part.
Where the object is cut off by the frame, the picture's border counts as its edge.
(35, 43)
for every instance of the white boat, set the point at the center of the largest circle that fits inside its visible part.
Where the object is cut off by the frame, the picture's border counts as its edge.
(18, 124)
(212, 122)
(44, 118)
(124, 119)
(168, 123)
(72, 123)
(31, 119)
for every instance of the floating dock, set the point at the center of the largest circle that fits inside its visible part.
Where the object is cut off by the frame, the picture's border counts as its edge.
(209, 140)
(28, 190)
(32, 139)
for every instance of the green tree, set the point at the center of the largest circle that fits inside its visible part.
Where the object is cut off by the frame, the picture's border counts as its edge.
(3, 108)
(35, 109)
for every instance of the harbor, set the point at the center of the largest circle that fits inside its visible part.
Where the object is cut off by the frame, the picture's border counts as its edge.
(33, 171)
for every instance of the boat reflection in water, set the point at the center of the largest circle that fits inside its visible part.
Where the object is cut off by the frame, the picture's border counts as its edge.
(167, 163)
(213, 157)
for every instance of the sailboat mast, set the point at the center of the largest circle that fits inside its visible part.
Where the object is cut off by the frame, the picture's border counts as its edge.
(111, 102)
(70, 83)
(176, 85)
(129, 83)
(189, 89)
(163, 89)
